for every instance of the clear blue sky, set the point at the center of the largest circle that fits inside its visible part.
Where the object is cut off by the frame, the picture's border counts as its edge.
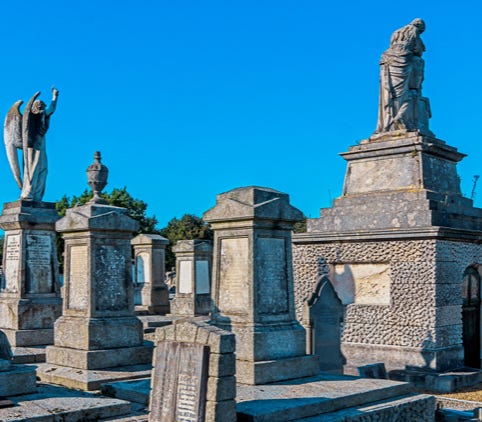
(188, 99)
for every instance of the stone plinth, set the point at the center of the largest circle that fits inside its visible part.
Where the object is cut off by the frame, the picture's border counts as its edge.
(98, 328)
(253, 284)
(193, 270)
(151, 293)
(19, 379)
(395, 247)
(30, 294)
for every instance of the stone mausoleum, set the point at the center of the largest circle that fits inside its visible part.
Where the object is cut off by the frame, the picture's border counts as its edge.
(397, 247)
(401, 246)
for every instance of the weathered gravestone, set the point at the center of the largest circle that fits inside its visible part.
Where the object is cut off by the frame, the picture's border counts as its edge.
(98, 328)
(253, 284)
(193, 376)
(322, 318)
(150, 288)
(30, 296)
(179, 382)
(193, 274)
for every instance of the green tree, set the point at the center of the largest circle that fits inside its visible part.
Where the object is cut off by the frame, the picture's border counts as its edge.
(187, 228)
(136, 208)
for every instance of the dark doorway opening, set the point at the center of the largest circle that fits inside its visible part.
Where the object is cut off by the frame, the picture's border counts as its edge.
(471, 316)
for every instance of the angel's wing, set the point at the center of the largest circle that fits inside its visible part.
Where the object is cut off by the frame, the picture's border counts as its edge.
(26, 138)
(12, 136)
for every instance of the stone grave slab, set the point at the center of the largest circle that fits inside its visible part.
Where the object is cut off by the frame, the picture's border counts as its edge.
(179, 382)
(54, 403)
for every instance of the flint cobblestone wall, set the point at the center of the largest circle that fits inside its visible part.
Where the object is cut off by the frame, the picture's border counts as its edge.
(425, 288)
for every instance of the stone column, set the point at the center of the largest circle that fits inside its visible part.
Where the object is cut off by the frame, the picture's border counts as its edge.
(150, 289)
(98, 328)
(30, 295)
(253, 284)
(193, 269)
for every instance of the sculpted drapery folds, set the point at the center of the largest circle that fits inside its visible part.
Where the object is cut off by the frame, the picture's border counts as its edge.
(27, 133)
(402, 106)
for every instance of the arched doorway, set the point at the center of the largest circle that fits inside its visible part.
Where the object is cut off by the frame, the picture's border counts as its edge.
(471, 316)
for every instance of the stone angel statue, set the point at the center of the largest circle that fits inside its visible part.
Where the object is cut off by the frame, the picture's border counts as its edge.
(27, 133)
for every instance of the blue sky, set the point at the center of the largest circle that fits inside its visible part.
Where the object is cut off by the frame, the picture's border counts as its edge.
(188, 99)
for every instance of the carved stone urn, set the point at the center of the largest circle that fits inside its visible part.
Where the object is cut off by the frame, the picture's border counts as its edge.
(97, 178)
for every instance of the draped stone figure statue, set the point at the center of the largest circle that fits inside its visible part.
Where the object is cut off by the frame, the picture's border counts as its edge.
(401, 105)
(27, 133)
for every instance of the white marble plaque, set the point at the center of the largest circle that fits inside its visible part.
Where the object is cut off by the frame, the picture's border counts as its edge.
(185, 277)
(39, 264)
(179, 382)
(362, 284)
(140, 269)
(234, 271)
(78, 283)
(12, 262)
(202, 277)
(272, 287)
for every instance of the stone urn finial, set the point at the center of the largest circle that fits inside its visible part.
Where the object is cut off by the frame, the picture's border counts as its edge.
(97, 178)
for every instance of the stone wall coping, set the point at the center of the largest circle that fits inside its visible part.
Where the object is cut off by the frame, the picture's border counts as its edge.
(386, 235)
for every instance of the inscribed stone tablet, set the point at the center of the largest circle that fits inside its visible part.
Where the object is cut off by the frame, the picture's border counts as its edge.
(233, 283)
(78, 289)
(39, 264)
(363, 284)
(111, 290)
(12, 262)
(272, 288)
(139, 269)
(202, 277)
(185, 277)
(179, 382)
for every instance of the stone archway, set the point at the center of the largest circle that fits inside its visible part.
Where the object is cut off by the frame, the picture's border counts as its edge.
(471, 316)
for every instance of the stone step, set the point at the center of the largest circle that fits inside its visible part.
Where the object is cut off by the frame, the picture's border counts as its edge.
(134, 391)
(442, 382)
(307, 397)
(413, 408)
(53, 403)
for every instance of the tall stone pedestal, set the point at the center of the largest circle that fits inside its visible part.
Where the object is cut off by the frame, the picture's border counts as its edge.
(193, 269)
(395, 246)
(98, 328)
(30, 295)
(151, 294)
(253, 284)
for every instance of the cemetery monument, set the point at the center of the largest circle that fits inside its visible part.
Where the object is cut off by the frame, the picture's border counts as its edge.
(30, 295)
(398, 242)
(98, 329)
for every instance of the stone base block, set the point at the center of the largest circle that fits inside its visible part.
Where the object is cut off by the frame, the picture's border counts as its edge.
(267, 342)
(136, 390)
(99, 359)
(28, 354)
(98, 333)
(397, 357)
(26, 338)
(264, 372)
(29, 314)
(89, 380)
(20, 379)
